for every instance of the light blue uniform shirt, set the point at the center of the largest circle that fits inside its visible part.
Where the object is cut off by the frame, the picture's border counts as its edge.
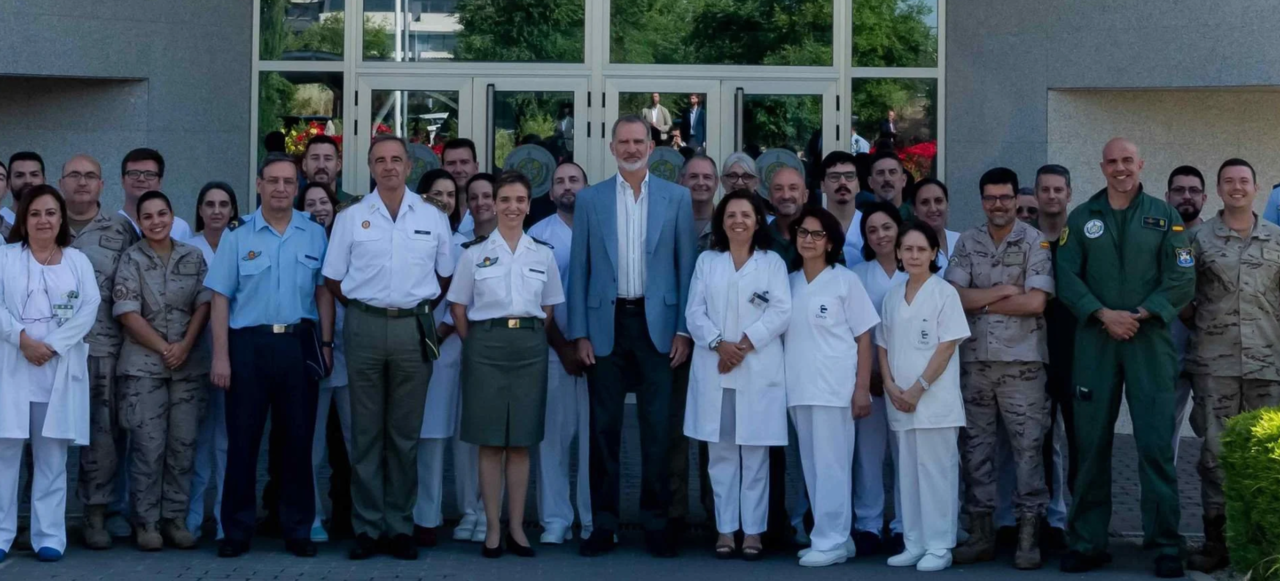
(270, 279)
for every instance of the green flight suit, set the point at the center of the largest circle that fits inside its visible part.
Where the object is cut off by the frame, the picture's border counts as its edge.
(1122, 260)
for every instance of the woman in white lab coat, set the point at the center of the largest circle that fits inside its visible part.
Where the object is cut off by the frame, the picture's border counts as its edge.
(50, 300)
(878, 272)
(828, 365)
(922, 325)
(739, 305)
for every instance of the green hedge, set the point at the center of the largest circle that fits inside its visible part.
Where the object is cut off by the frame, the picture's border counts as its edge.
(1251, 459)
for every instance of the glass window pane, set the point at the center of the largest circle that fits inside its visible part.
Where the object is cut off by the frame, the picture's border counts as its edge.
(674, 118)
(793, 122)
(758, 32)
(426, 119)
(474, 30)
(895, 33)
(899, 113)
(532, 117)
(301, 30)
(298, 105)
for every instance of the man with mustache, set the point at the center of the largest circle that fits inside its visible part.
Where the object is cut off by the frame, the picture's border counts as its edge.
(629, 273)
(26, 170)
(568, 405)
(888, 180)
(1187, 195)
(1125, 268)
(839, 178)
(322, 162)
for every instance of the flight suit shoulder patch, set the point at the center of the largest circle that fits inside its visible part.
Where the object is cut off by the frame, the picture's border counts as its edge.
(1062, 240)
(1177, 228)
(477, 240)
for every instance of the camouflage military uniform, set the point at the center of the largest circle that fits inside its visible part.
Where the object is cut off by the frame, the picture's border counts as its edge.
(1002, 367)
(1235, 337)
(104, 241)
(161, 408)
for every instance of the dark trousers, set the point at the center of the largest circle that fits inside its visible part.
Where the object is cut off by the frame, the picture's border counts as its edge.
(1061, 392)
(268, 376)
(636, 362)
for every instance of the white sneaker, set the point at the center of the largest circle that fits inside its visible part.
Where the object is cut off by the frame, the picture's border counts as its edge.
(555, 534)
(850, 550)
(905, 559)
(934, 561)
(318, 534)
(478, 534)
(466, 527)
(823, 558)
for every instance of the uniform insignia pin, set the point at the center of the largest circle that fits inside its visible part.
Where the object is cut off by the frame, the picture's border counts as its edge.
(1093, 228)
(365, 224)
(251, 255)
(487, 262)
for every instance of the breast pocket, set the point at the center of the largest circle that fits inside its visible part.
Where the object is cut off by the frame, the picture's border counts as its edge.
(826, 314)
(422, 246)
(255, 267)
(491, 285)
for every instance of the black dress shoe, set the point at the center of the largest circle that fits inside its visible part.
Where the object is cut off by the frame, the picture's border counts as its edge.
(404, 548)
(600, 542)
(659, 544)
(1169, 567)
(518, 549)
(491, 553)
(301, 547)
(1077, 562)
(868, 543)
(1052, 538)
(896, 544)
(676, 528)
(364, 548)
(229, 548)
(424, 536)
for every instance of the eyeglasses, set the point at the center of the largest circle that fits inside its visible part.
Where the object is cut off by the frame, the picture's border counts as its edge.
(149, 176)
(1179, 190)
(76, 176)
(836, 177)
(739, 177)
(817, 235)
(1002, 200)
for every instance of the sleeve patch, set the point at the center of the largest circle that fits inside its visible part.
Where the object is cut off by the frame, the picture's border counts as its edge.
(1186, 258)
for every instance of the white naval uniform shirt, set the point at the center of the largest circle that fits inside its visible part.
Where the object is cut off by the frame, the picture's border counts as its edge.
(495, 283)
(827, 316)
(633, 219)
(390, 264)
(559, 235)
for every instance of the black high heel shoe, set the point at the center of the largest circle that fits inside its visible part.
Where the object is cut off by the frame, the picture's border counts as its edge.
(489, 553)
(518, 549)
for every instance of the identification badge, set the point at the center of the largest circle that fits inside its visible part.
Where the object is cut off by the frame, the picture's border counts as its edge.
(422, 232)
(1155, 223)
(759, 300)
(62, 312)
(1014, 258)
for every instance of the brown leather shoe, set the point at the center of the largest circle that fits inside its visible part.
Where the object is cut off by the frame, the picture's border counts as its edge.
(981, 544)
(148, 537)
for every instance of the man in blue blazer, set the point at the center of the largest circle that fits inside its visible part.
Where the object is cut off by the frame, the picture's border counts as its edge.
(695, 123)
(630, 265)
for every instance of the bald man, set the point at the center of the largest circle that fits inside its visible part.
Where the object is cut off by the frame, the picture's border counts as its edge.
(103, 237)
(1125, 269)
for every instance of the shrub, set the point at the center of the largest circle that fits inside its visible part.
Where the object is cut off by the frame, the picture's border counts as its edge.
(1251, 460)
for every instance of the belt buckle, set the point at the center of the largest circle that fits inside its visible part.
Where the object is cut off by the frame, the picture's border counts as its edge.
(393, 312)
(513, 323)
(278, 329)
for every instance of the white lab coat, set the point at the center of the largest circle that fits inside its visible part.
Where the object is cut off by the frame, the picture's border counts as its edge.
(760, 379)
(68, 415)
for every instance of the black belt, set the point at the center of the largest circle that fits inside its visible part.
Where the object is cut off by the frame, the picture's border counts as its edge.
(272, 329)
(630, 303)
(394, 313)
(308, 334)
(512, 323)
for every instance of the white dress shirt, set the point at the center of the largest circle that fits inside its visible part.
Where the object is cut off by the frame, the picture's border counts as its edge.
(496, 283)
(633, 219)
(385, 263)
(181, 229)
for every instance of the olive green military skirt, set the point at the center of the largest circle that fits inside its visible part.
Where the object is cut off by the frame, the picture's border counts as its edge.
(504, 383)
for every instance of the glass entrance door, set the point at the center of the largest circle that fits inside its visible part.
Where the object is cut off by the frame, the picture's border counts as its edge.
(683, 114)
(762, 116)
(425, 112)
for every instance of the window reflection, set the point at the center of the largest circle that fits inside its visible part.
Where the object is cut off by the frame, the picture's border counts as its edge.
(301, 30)
(425, 119)
(773, 32)
(900, 114)
(474, 30)
(895, 33)
(679, 119)
(298, 105)
(544, 118)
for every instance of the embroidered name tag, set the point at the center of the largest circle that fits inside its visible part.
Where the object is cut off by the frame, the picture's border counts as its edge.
(1155, 223)
(310, 257)
(1014, 258)
(537, 271)
(422, 232)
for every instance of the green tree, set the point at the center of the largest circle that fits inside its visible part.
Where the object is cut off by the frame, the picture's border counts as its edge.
(893, 33)
(520, 30)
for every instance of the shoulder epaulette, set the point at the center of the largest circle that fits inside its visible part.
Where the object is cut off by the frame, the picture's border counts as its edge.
(347, 204)
(233, 224)
(543, 242)
(477, 240)
(434, 202)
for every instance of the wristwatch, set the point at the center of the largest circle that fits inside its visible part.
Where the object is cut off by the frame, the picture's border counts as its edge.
(715, 343)
(923, 383)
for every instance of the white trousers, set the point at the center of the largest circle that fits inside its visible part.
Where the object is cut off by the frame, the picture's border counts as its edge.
(868, 471)
(428, 511)
(826, 435)
(211, 462)
(466, 478)
(48, 486)
(341, 396)
(739, 477)
(929, 476)
(568, 415)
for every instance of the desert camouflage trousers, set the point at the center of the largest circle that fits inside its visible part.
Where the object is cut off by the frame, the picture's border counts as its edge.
(162, 417)
(97, 480)
(1216, 400)
(1012, 393)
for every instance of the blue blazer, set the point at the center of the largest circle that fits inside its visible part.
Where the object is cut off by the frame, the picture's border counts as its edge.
(670, 254)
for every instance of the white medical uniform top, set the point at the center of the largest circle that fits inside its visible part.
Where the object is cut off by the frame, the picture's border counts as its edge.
(385, 263)
(853, 241)
(827, 316)
(559, 236)
(911, 333)
(876, 282)
(48, 305)
(495, 283)
(199, 242)
(181, 229)
(944, 258)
